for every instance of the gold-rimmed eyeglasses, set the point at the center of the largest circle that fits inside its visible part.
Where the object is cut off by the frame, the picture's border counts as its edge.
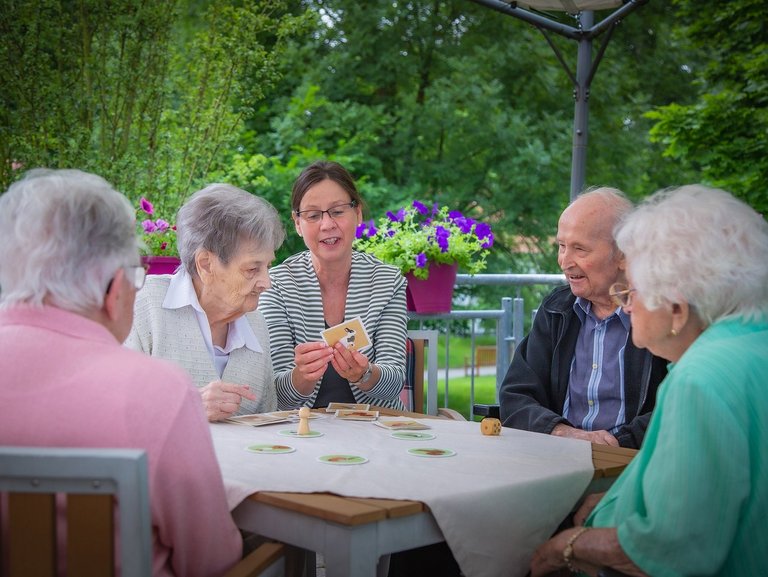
(621, 294)
(335, 212)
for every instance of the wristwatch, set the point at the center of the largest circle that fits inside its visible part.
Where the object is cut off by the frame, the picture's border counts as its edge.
(365, 378)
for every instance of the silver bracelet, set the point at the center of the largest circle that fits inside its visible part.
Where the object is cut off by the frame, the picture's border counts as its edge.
(366, 376)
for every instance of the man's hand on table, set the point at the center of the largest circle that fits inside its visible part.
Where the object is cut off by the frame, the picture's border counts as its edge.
(598, 437)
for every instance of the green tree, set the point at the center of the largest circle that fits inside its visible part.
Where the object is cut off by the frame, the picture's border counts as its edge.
(446, 100)
(150, 95)
(722, 134)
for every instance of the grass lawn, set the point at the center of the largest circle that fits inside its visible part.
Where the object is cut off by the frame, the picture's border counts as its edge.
(458, 393)
(460, 349)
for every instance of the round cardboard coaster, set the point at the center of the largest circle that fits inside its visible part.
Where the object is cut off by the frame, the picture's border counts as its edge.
(432, 452)
(412, 436)
(342, 459)
(295, 434)
(270, 449)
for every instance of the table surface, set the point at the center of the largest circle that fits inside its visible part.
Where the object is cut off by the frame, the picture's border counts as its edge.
(371, 516)
(608, 462)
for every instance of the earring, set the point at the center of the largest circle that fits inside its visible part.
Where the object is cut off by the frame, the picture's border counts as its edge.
(673, 332)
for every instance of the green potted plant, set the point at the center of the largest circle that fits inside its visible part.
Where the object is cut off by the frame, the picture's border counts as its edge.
(159, 251)
(427, 243)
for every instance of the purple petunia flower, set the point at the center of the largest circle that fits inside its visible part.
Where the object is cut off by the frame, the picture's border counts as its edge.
(421, 260)
(422, 208)
(148, 226)
(161, 225)
(372, 230)
(390, 233)
(146, 206)
(399, 217)
(360, 230)
(488, 242)
(482, 230)
(442, 235)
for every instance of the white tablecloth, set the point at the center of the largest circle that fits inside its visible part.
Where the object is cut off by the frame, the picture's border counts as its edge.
(495, 500)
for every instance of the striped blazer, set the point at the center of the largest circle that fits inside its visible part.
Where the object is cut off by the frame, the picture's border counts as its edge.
(293, 309)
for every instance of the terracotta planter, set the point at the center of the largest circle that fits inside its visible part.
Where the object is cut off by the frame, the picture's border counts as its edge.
(435, 294)
(160, 264)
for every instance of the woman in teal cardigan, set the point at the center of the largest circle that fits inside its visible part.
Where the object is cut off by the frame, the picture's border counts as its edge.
(695, 498)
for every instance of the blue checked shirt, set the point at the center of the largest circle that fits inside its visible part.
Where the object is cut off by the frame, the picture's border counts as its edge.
(595, 399)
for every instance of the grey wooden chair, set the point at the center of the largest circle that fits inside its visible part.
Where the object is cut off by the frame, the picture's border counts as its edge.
(90, 479)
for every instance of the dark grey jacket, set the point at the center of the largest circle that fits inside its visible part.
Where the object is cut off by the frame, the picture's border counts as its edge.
(533, 393)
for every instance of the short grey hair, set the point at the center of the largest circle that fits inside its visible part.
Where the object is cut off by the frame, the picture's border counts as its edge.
(63, 235)
(219, 217)
(698, 245)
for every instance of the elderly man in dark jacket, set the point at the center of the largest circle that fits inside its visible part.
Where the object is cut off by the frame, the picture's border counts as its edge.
(577, 373)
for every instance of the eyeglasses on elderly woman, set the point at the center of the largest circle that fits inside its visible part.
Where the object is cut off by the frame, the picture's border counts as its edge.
(136, 275)
(621, 294)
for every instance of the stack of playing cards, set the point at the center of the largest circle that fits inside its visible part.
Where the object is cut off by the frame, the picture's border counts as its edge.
(353, 415)
(256, 420)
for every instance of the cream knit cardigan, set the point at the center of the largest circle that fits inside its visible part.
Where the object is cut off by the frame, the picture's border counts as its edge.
(174, 334)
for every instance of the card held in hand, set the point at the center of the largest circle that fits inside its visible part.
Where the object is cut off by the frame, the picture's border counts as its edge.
(351, 334)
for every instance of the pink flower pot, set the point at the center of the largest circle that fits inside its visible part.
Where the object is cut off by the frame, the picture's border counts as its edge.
(160, 264)
(433, 295)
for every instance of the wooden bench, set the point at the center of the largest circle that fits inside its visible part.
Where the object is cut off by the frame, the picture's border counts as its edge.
(485, 356)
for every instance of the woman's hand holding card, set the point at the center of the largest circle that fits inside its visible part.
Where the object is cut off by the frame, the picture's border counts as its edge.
(311, 363)
(350, 364)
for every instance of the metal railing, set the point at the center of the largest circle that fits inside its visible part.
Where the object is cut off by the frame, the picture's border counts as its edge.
(510, 323)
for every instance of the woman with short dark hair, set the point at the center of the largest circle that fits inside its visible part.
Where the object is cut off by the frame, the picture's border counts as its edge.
(325, 285)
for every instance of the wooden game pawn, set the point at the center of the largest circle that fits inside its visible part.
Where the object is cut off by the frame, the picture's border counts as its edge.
(303, 421)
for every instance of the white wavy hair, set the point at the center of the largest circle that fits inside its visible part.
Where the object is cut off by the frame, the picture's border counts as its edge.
(698, 245)
(63, 235)
(219, 217)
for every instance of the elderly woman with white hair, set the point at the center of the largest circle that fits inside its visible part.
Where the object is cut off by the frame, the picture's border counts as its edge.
(204, 316)
(65, 379)
(694, 500)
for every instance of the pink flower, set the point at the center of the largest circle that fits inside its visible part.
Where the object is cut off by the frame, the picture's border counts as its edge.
(146, 206)
(161, 225)
(148, 226)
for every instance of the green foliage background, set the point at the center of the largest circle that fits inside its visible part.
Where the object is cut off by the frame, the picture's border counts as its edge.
(439, 100)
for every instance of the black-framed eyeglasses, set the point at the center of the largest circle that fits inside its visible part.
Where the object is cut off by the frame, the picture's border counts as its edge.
(621, 294)
(335, 212)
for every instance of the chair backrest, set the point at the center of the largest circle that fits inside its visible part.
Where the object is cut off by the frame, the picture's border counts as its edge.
(32, 541)
(421, 353)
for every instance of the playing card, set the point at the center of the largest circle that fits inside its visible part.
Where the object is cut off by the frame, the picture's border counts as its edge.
(351, 334)
(352, 415)
(401, 424)
(333, 407)
(256, 420)
(293, 415)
